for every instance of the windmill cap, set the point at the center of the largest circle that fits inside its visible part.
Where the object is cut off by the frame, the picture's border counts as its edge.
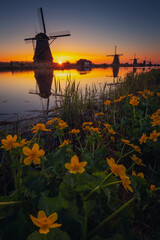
(42, 36)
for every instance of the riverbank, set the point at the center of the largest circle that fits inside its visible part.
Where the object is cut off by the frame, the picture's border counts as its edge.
(94, 166)
(24, 65)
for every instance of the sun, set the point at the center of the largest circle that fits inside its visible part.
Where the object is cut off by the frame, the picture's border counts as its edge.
(60, 62)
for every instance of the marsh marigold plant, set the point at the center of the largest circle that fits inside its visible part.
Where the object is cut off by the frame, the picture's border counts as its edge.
(33, 155)
(9, 142)
(44, 222)
(75, 166)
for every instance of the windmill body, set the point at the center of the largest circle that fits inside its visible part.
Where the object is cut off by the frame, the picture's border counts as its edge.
(42, 52)
(116, 61)
(135, 63)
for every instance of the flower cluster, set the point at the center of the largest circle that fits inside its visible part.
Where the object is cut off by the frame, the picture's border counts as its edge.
(120, 170)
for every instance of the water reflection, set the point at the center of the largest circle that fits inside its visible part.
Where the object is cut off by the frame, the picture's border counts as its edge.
(115, 71)
(16, 98)
(44, 78)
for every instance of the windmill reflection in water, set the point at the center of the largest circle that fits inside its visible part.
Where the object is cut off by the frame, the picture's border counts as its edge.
(44, 78)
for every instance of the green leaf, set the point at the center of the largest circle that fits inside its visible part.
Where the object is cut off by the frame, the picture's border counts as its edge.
(55, 234)
(35, 236)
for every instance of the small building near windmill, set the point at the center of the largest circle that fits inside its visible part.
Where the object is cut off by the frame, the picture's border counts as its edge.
(84, 63)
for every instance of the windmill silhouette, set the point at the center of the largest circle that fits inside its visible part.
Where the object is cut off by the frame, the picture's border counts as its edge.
(144, 62)
(116, 61)
(135, 60)
(42, 52)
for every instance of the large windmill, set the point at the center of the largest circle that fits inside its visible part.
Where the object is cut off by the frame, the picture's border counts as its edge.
(135, 60)
(42, 52)
(116, 57)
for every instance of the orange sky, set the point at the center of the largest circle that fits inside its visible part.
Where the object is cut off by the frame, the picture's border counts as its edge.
(73, 57)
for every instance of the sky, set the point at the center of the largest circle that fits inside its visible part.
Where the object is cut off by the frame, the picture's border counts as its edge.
(96, 26)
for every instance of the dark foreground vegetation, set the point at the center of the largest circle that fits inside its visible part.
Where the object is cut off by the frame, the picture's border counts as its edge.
(90, 173)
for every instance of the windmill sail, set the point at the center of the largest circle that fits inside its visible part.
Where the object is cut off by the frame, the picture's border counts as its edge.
(42, 51)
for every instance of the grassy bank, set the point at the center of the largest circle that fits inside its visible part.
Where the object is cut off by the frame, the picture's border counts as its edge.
(90, 173)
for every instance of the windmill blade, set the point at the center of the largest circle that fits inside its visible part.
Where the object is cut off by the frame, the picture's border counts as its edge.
(34, 45)
(41, 20)
(109, 55)
(26, 39)
(59, 34)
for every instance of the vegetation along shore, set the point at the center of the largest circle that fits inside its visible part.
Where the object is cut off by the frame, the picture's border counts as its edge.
(91, 172)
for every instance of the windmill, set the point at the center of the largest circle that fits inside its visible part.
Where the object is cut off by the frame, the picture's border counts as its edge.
(42, 52)
(116, 57)
(135, 60)
(144, 62)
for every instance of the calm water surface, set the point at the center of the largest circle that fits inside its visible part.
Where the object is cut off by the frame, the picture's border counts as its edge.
(27, 93)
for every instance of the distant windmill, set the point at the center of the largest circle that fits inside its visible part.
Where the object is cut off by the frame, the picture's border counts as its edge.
(42, 52)
(116, 57)
(144, 61)
(135, 60)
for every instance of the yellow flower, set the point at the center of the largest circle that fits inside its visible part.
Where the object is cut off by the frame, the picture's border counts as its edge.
(137, 160)
(86, 128)
(97, 130)
(39, 126)
(154, 135)
(33, 154)
(87, 123)
(143, 94)
(134, 101)
(119, 99)
(9, 142)
(136, 148)
(152, 188)
(107, 103)
(75, 131)
(156, 118)
(138, 175)
(126, 183)
(125, 141)
(62, 124)
(75, 166)
(130, 95)
(148, 92)
(65, 142)
(118, 170)
(98, 114)
(23, 142)
(107, 125)
(143, 138)
(111, 131)
(52, 120)
(44, 222)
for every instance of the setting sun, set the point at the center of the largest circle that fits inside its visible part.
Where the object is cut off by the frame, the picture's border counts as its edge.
(60, 62)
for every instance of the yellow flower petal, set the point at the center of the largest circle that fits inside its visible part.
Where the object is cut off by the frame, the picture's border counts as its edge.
(26, 151)
(53, 217)
(81, 170)
(36, 161)
(35, 221)
(44, 230)
(55, 225)
(35, 147)
(74, 160)
(40, 153)
(67, 166)
(41, 214)
(27, 161)
(83, 164)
